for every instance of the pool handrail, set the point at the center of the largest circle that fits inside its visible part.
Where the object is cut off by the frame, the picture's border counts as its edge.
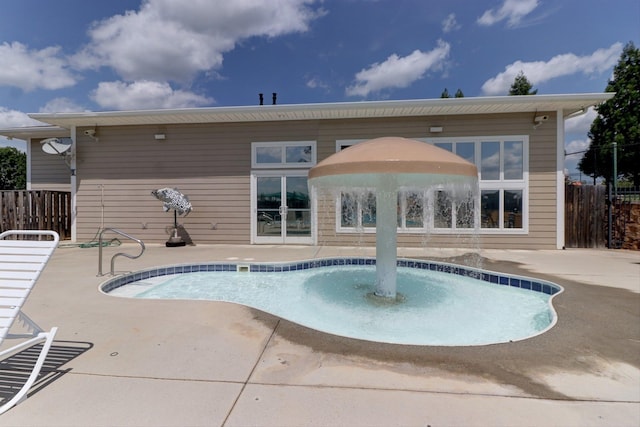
(123, 234)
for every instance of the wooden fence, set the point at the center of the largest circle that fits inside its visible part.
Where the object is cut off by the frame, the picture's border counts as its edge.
(586, 220)
(36, 210)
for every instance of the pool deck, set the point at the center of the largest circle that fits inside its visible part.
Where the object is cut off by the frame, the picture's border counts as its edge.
(128, 362)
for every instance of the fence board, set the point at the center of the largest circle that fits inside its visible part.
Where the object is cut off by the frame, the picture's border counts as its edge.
(585, 216)
(38, 209)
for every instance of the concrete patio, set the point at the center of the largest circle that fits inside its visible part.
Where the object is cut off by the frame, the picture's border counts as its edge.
(130, 362)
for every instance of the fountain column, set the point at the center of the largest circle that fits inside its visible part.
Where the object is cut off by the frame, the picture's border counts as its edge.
(386, 240)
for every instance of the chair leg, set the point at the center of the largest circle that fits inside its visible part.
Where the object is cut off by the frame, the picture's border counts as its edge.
(22, 394)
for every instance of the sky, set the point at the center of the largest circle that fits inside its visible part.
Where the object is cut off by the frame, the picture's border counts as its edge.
(79, 55)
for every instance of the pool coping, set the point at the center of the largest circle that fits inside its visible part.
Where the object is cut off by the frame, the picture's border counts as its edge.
(503, 279)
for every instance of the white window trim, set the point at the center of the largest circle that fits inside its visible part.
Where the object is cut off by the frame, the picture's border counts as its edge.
(358, 228)
(283, 163)
(500, 184)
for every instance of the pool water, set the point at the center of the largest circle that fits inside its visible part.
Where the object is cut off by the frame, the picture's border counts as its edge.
(434, 307)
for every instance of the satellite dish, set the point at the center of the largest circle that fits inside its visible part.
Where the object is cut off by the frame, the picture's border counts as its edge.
(56, 145)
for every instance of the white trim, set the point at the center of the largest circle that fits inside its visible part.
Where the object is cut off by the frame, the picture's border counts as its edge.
(283, 174)
(29, 164)
(283, 145)
(73, 184)
(560, 226)
(499, 184)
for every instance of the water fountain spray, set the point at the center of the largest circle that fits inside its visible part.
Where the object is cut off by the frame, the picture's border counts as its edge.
(388, 165)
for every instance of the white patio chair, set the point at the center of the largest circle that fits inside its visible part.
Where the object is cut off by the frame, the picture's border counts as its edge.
(21, 262)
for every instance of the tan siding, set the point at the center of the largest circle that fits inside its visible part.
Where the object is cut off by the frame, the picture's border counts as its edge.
(212, 165)
(48, 172)
(542, 175)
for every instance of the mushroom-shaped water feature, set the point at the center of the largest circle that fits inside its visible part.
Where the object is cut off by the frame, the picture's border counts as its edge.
(388, 165)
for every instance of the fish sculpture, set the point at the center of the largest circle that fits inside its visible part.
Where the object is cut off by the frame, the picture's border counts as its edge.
(173, 199)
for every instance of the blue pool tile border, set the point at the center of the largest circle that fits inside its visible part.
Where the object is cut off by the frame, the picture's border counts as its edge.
(501, 279)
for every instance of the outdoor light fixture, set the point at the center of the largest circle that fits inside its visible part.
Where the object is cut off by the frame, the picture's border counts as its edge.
(92, 133)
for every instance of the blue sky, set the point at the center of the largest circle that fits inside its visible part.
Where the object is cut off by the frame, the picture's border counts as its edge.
(78, 55)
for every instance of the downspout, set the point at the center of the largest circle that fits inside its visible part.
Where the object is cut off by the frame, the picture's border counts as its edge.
(560, 196)
(29, 164)
(73, 184)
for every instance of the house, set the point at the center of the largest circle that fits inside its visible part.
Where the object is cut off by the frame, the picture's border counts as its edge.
(245, 170)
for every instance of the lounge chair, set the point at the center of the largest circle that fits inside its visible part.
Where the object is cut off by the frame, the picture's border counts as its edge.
(21, 262)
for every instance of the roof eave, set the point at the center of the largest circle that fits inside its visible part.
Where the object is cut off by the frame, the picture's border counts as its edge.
(35, 132)
(344, 110)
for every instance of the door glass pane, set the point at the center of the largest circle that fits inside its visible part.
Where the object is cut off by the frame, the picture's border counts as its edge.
(513, 160)
(269, 193)
(513, 209)
(269, 200)
(297, 193)
(490, 211)
(490, 161)
(298, 223)
(298, 207)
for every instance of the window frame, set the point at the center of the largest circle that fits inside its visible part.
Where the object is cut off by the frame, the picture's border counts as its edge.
(501, 185)
(283, 164)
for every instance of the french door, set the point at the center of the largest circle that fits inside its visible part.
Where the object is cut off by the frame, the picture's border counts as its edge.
(281, 208)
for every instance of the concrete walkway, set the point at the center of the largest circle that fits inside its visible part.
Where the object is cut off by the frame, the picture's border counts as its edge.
(129, 362)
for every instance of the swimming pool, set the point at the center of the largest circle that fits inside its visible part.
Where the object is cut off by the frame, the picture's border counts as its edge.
(440, 304)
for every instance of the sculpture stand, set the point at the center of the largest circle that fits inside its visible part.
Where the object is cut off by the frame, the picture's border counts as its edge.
(175, 240)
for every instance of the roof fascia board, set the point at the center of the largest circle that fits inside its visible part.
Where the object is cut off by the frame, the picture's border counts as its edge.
(286, 112)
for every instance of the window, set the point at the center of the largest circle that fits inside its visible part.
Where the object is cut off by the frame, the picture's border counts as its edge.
(503, 184)
(358, 209)
(293, 154)
(500, 206)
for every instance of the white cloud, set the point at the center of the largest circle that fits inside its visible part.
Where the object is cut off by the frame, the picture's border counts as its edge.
(577, 146)
(450, 24)
(170, 40)
(14, 119)
(316, 83)
(399, 72)
(61, 105)
(141, 95)
(580, 124)
(33, 69)
(561, 65)
(511, 10)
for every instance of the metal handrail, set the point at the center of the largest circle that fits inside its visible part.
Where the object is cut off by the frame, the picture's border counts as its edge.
(123, 234)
